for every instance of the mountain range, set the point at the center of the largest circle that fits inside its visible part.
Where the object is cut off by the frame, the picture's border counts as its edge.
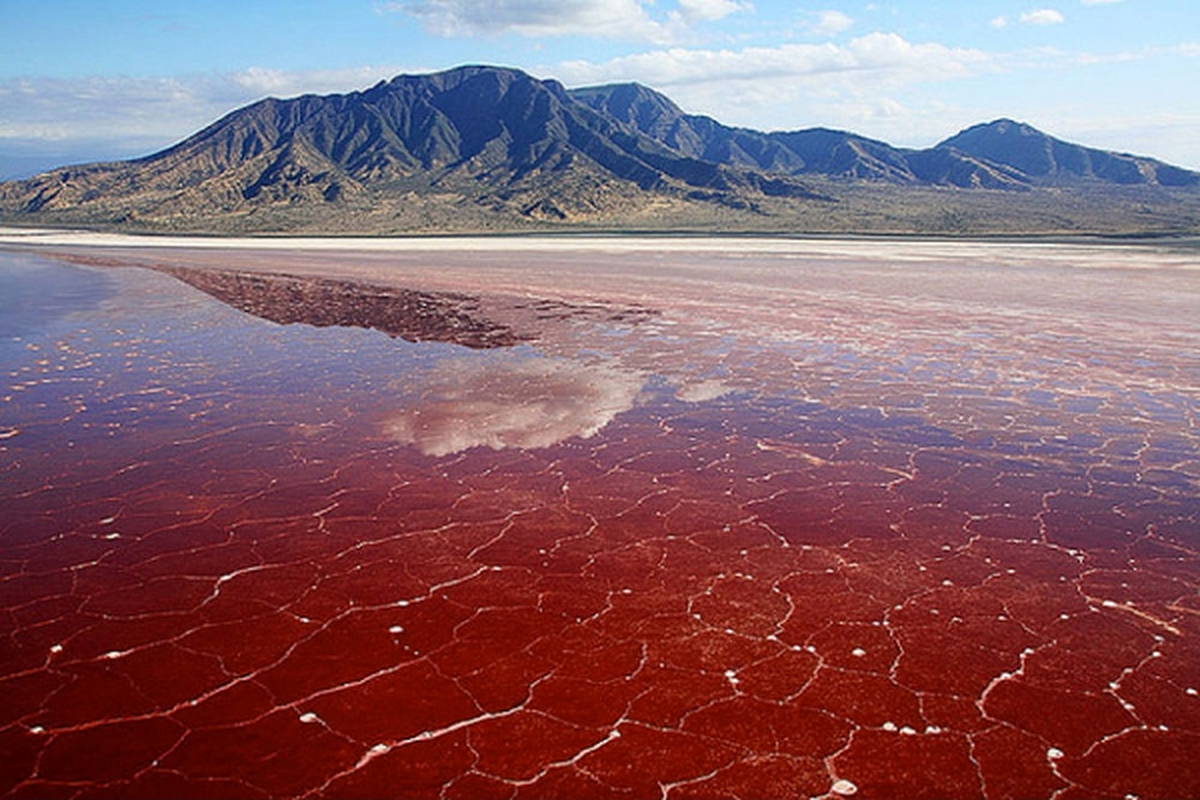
(487, 148)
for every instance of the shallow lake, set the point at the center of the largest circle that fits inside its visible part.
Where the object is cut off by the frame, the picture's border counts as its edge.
(624, 518)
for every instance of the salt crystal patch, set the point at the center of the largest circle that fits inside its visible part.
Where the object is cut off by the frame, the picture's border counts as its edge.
(56, 648)
(379, 749)
(1110, 604)
(947, 582)
(889, 726)
(111, 654)
(1192, 691)
(108, 521)
(402, 603)
(111, 536)
(843, 787)
(932, 729)
(396, 629)
(36, 729)
(908, 731)
(1054, 752)
(309, 717)
(858, 652)
(1064, 616)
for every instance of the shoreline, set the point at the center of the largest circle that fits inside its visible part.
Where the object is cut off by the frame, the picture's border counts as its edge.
(1125, 252)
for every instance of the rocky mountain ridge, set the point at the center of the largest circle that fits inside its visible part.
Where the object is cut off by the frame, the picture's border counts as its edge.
(485, 147)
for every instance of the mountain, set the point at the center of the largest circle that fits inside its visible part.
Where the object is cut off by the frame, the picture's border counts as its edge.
(997, 155)
(482, 148)
(1048, 161)
(490, 136)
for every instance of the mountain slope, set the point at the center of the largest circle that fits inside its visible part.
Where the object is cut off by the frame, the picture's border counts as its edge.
(815, 151)
(488, 148)
(1049, 161)
(496, 137)
(998, 155)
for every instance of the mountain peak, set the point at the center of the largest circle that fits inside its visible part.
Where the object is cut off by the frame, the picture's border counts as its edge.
(1051, 161)
(497, 144)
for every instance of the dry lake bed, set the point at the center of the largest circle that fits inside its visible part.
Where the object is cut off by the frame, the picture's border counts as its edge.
(598, 518)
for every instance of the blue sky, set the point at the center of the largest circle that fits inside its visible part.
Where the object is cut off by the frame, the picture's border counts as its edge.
(84, 80)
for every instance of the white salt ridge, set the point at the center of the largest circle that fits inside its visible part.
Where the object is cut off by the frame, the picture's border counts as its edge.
(309, 717)
(1054, 753)
(843, 787)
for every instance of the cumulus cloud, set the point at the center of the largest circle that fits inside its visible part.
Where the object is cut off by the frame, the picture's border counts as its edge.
(708, 10)
(612, 18)
(527, 403)
(999, 22)
(830, 23)
(1100, 2)
(876, 57)
(1043, 16)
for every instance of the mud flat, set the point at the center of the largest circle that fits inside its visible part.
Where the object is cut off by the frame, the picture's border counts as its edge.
(599, 518)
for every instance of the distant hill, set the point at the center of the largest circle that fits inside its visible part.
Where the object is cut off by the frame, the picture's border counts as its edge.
(488, 148)
(815, 151)
(1046, 161)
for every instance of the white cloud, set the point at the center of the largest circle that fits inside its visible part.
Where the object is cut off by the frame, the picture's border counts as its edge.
(707, 10)
(999, 22)
(1100, 2)
(611, 18)
(1043, 16)
(876, 57)
(831, 23)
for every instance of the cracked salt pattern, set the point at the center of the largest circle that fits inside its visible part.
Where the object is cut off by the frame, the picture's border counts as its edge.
(822, 541)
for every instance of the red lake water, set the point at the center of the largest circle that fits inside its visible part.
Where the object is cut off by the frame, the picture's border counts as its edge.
(618, 519)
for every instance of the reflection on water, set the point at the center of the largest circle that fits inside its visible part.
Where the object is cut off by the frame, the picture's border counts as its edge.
(513, 402)
(415, 316)
(852, 549)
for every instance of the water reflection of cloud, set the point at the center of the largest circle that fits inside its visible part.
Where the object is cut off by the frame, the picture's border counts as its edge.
(702, 391)
(533, 402)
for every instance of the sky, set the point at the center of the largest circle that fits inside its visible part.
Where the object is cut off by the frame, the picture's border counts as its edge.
(85, 80)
